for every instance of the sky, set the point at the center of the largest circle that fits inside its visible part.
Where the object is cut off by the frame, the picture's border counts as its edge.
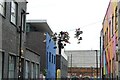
(68, 15)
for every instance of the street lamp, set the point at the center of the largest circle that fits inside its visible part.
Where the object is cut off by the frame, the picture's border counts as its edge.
(23, 14)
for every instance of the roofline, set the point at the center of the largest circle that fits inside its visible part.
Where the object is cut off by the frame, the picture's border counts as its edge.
(80, 50)
(36, 21)
(17, 1)
(39, 21)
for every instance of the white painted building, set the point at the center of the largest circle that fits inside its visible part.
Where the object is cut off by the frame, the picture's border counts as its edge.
(82, 58)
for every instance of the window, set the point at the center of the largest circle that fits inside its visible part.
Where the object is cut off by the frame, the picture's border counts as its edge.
(52, 58)
(37, 71)
(116, 19)
(112, 26)
(12, 66)
(23, 20)
(1, 65)
(107, 36)
(49, 56)
(2, 7)
(27, 27)
(13, 12)
(32, 71)
(26, 69)
(47, 60)
(105, 39)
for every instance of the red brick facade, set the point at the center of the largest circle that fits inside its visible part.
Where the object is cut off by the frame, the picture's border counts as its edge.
(83, 72)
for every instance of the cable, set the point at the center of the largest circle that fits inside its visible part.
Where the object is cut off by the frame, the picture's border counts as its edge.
(93, 23)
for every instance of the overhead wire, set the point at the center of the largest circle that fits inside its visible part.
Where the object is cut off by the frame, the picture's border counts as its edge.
(92, 23)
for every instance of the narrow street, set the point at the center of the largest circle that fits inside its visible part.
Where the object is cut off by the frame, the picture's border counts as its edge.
(59, 40)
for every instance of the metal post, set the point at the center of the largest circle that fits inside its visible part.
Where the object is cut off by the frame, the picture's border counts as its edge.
(100, 58)
(91, 72)
(71, 65)
(20, 53)
(20, 45)
(59, 47)
(96, 64)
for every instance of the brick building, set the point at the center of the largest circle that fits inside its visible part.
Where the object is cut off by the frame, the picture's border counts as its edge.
(12, 18)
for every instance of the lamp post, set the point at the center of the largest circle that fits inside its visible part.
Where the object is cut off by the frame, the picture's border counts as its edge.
(71, 65)
(91, 72)
(23, 14)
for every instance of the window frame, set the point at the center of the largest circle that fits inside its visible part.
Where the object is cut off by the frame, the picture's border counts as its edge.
(105, 40)
(47, 60)
(112, 31)
(16, 10)
(28, 63)
(9, 64)
(3, 6)
(37, 71)
(32, 70)
(116, 19)
(49, 56)
(2, 67)
(54, 59)
(107, 36)
(23, 20)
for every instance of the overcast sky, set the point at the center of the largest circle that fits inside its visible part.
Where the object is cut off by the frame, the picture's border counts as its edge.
(68, 15)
